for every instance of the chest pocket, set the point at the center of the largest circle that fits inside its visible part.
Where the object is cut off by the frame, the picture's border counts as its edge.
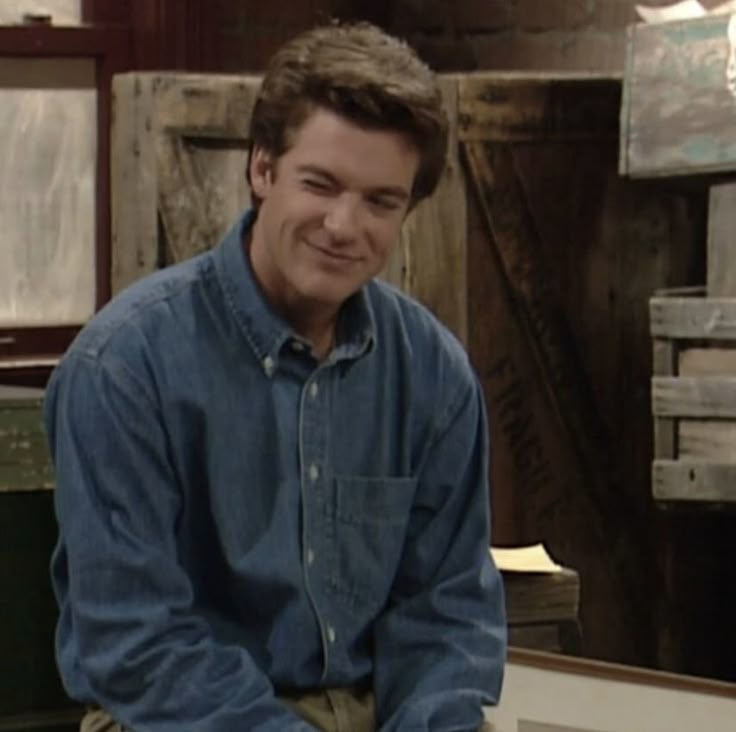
(370, 521)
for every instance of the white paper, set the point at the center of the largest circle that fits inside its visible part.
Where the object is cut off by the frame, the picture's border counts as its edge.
(530, 558)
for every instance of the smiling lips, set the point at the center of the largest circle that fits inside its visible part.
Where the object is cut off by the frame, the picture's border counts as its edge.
(333, 254)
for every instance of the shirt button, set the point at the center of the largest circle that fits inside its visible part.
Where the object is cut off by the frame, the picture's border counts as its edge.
(268, 365)
(310, 556)
(313, 390)
(331, 635)
(313, 471)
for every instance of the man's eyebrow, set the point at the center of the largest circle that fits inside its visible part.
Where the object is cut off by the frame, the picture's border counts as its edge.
(393, 191)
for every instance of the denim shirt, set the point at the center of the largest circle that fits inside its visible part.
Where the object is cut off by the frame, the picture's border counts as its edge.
(237, 518)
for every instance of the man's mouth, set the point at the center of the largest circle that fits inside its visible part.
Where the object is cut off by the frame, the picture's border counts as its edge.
(334, 254)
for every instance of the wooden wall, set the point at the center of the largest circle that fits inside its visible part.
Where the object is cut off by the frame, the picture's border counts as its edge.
(563, 257)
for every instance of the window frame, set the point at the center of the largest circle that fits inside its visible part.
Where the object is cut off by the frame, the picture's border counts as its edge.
(28, 353)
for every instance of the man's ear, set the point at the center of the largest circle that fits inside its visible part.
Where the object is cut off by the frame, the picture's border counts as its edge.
(261, 171)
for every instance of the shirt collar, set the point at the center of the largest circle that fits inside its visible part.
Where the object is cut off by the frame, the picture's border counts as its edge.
(267, 332)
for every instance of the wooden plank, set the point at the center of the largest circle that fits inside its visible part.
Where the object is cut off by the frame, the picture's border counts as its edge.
(706, 362)
(680, 107)
(430, 260)
(533, 597)
(513, 107)
(691, 480)
(134, 252)
(706, 439)
(721, 239)
(205, 105)
(694, 396)
(665, 429)
(690, 317)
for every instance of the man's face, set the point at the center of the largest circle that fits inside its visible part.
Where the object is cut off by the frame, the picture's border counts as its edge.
(331, 211)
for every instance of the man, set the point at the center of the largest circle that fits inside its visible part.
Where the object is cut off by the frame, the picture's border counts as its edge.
(271, 468)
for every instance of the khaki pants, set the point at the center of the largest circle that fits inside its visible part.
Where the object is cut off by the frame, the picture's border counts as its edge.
(331, 710)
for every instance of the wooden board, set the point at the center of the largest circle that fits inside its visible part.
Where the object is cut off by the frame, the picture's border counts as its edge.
(678, 107)
(689, 396)
(694, 480)
(721, 239)
(179, 156)
(533, 597)
(518, 107)
(692, 317)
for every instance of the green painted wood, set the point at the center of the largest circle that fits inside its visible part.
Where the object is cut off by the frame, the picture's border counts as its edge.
(25, 462)
(679, 105)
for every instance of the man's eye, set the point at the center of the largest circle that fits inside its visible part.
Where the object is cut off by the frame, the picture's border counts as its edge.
(316, 184)
(384, 204)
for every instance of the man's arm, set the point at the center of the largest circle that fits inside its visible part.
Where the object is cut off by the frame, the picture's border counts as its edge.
(440, 647)
(128, 632)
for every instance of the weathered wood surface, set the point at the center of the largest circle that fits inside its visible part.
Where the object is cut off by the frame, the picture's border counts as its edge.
(25, 463)
(596, 254)
(679, 102)
(543, 323)
(694, 480)
(689, 396)
(692, 317)
(707, 440)
(664, 359)
(178, 183)
(430, 261)
(722, 237)
(515, 107)
(533, 597)
(705, 361)
(173, 194)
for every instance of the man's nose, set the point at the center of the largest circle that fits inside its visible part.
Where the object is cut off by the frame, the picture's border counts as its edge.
(343, 216)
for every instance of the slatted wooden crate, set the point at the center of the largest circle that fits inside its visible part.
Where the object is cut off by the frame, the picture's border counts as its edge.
(694, 397)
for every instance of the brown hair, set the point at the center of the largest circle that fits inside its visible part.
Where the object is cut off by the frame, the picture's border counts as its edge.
(362, 74)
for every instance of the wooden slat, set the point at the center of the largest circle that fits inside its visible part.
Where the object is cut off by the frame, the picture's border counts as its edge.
(721, 240)
(133, 173)
(706, 362)
(689, 480)
(706, 439)
(694, 396)
(430, 261)
(680, 110)
(211, 105)
(665, 429)
(513, 107)
(690, 317)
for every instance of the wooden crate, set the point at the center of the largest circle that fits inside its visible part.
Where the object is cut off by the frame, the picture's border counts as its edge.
(679, 99)
(694, 397)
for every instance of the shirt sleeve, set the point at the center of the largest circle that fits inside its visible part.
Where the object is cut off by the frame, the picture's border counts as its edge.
(440, 646)
(128, 634)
